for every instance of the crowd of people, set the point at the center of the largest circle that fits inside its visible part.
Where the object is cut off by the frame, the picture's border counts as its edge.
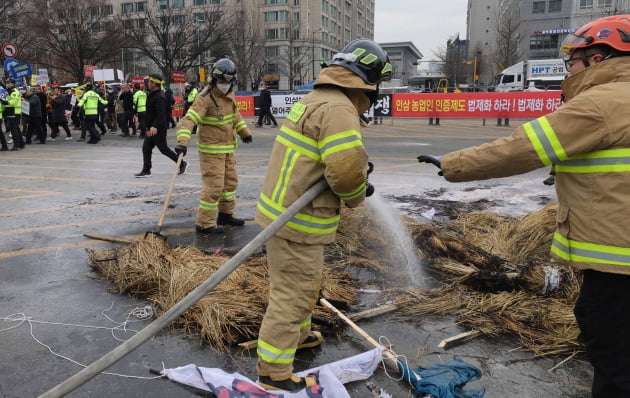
(94, 110)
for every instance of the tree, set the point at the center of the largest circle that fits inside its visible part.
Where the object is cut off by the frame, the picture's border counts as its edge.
(247, 44)
(507, 24)
(15, 17)
(175, 40)
(74, 34)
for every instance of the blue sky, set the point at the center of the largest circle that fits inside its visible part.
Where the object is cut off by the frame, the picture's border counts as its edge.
(427, 23)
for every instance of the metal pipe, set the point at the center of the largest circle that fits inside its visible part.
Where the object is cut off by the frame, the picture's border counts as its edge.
(175, 311)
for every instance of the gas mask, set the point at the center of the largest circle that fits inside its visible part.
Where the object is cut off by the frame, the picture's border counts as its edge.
(224, 87)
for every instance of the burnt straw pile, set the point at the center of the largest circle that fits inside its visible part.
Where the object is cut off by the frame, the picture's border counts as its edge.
(495, 276)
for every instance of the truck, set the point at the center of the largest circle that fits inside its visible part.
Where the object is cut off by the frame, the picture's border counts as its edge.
(531, 75)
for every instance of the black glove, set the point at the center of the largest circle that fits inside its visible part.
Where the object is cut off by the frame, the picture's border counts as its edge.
(247, 139)
(180, 149)
(369, 189)
(370, 168)
(435, 160)
(549, 180)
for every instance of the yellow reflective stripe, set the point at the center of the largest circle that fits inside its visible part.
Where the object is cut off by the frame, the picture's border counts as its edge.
(339, 142)
(544, 140)
(580, 252)
(215, 149)
(298, 142)
(210, 206)
(288, 164)
(605, 161)
(228, 195)
(183, 133)
(240, 126)
(306, 322)
(218, 121)
(271, 354)
(354, 194)
(194, 116)
(299, 222)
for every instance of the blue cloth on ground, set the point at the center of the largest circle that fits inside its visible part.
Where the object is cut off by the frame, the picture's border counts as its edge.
(444, 380)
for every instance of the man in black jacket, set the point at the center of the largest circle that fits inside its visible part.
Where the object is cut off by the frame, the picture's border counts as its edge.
(265, 107)
(125, 114)
(157, 124)
(170, 101)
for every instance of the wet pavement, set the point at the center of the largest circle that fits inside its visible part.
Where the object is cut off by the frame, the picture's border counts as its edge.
(56, 314)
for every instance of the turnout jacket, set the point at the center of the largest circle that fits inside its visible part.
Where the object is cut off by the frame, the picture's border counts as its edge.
(217, 118)
(320, 138)
(587, 143)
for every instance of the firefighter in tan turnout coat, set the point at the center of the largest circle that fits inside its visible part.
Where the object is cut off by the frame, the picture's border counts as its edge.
(320, 138)
(216, 116)
(587, 143)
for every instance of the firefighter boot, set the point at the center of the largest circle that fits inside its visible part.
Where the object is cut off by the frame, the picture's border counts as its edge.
(292, 383)
(228, 219)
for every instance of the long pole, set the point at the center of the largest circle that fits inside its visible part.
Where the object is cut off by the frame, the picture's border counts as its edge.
(175, 311)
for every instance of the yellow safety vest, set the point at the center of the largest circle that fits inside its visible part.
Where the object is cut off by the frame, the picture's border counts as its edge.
(140, 101)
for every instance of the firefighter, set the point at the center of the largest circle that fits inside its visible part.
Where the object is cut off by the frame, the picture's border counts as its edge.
(89, 102)
(586, 141)
(216, 115)
(320, 138)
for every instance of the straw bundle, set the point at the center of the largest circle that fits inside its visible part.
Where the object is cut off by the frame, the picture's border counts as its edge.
(229, 314)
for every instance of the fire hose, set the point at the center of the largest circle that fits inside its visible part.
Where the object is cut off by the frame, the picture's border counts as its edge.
(184, 304)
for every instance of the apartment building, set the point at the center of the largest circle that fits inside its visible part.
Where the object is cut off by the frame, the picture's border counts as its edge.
(539, 27)
(296, 34)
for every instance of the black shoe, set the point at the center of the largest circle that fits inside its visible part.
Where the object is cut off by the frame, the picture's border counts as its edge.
(143, 174)
(210, 230)
(291, 384)
(81, 139)
(228, 219)
(124, 135)
(4, 148)
(182, 167)
(313, 340)
(15, 148)
(40, 142)
(141, 136)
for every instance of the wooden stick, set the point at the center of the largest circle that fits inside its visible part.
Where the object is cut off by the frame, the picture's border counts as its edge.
(459, 338)
(248, 345)
(388, 355)
(384, 309)
(108, 239)
(180, 159)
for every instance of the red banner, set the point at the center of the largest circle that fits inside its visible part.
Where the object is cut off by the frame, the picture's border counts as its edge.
(137, 80)
(178, 77)
(178, 108)
(476, 105)
(88, 70)
(246, 106)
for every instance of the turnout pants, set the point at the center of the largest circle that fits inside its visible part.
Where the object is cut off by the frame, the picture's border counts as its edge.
(219, 180)
(602, 311)
(295, 274)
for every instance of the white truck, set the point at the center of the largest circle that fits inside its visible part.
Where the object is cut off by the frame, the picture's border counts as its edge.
(531, 75)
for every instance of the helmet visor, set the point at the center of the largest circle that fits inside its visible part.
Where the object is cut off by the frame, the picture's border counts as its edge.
(573, 42)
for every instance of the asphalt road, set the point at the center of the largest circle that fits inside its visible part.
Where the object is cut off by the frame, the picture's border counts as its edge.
(55, 314)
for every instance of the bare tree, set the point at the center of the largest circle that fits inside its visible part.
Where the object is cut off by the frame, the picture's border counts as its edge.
(15, 20)
(247, 43)
(298, 56)
(176, 40)
(74, 34)
(507, 24)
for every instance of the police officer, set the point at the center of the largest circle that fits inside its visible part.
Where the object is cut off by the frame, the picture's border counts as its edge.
(12, 113)
(140, 108)
(89, 103)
